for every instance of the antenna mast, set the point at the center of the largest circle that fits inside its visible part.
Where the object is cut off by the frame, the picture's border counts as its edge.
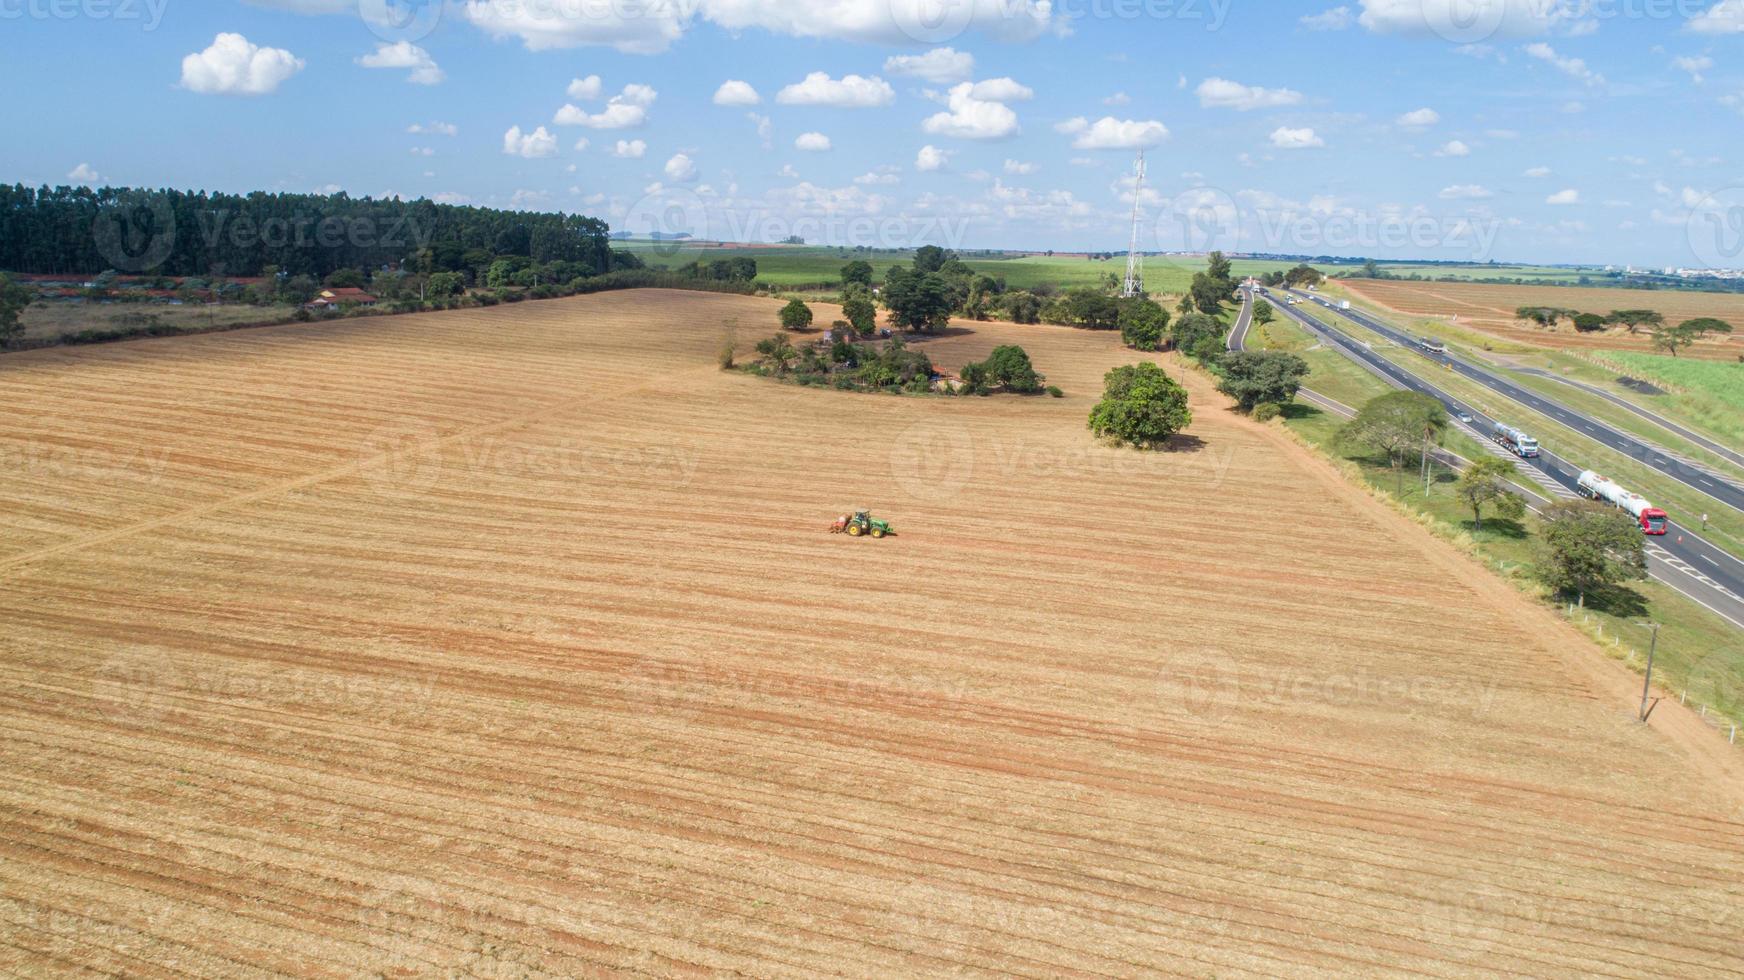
(1134, 284)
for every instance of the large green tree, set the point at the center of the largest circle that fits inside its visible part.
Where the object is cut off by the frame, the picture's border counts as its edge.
(1588, 546)
(918, 301)
(1636, 319)
(1396, 426)
(1253, 377)
(1141, 406)
(858, 271)
(1485, 484)
(1142, 323)
(1263, 313)
(861, 314)
(13, 299)
(796, 315)
(1671, 339)
(1198, 336)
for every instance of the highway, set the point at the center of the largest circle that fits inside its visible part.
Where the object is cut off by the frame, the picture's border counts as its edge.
(1701, 480)
(1681, 559)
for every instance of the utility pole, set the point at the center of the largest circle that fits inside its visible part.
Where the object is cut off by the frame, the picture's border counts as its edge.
(1647, 685)
(1134, 284)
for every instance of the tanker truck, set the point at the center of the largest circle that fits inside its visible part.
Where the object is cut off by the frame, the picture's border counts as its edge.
(1595, 487)
(1515, 441)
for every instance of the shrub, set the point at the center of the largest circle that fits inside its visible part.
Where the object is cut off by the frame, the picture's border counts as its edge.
(1141, 405)
(1267, 411)
(795, 315)
(1055, 392)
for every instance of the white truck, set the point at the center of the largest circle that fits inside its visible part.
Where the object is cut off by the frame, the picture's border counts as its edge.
(1514, 441)
(1596, 487)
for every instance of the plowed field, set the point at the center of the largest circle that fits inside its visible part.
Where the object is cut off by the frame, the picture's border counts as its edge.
(511, 642)
(1490, 308)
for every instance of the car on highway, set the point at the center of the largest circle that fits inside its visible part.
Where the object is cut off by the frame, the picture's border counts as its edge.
(1463, 417)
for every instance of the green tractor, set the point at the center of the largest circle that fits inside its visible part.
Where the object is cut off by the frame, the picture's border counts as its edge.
(861, 523)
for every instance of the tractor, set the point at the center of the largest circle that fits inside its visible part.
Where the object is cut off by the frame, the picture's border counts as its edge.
(862, 522)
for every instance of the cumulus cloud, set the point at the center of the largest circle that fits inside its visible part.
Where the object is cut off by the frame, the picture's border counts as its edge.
(586, 89)
(83, 174)
(1725, 17)
(930, 159)
(405, 54)
(1002, 90)
(1538, 172)
(1221, 93)
(848, 92)
(1118, 98)
(812, 142)
(626, 110)
(681, 168)
(1336, 19)
(1466, 192)
(1109, 133)
(1419, 118)
(232, 65)
(1287, 138)
(630, 149)
(1464, 21)
(1574, 68)
(434, 129)
(974, 118)
(941, 66)
(901, 22)
(736, 93)
(633, 27)
(1019, 168)
(1454, 148)
(1563, 198)
(1696, 66)
(538, 143)
(883, 176)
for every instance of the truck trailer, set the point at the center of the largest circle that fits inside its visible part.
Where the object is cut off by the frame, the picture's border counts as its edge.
(1514, 441)
(1596, 487)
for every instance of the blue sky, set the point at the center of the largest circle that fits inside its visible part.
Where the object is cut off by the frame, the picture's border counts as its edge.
(1535, 130)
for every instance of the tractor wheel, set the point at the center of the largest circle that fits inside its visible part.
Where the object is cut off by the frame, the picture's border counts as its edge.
(854, 531)
(878, 532)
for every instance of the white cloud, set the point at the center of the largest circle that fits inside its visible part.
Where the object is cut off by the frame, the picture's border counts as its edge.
(883, 176)
(1694, 65)
(631, 28)
(630, 149)
(1538, 172)
(234, 66)
(1109, 133)
(580, 145)
(1466, 192)
(1336, 19)
(405, 54)
(1570, 196)
(586, 89)
(434, 129)
(848, 92)
(626, 110)
(788, 172)
(930, 158)
(1019, 168)
(1725, 17)
(1002, 90)
(941, 66)
(83, 174)
(736, 93)
(1287, 138)
(681, 168)
(1419, 118)
(538, 143)
(1462, 21)
(765, 127)
(898, 22)
(1454, 148)
(1572, 67)
(812, 142)
(1118, 98)
(423, 151)
(973, 118)
(1221, 93)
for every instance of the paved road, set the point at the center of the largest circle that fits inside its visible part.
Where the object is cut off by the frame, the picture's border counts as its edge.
(1696, 478)
(1681, 559)
(1659, 420)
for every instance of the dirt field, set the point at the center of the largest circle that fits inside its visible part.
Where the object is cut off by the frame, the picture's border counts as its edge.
(1490, 308)
(511, 642)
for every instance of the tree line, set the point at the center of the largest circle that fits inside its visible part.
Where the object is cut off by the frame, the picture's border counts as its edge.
(1666, 337)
